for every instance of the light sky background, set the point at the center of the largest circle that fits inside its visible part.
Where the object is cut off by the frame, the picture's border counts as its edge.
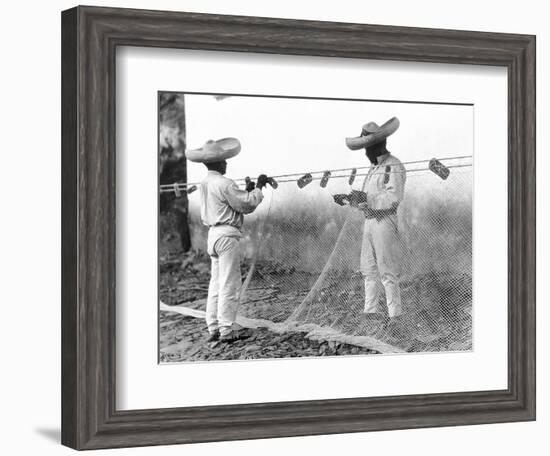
(283, 135)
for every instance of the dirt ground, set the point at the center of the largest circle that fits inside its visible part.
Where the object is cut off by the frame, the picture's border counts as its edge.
(276, 292)
(183, 338)
(184, 281)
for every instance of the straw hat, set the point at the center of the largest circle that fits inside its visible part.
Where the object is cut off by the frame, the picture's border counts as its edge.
(214, 151)
(372, 134)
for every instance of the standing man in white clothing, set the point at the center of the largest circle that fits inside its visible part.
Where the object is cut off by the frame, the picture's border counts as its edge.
(382, 192)
(223, 205)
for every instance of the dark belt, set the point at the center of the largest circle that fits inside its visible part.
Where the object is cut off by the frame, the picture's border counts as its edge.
(379, 214)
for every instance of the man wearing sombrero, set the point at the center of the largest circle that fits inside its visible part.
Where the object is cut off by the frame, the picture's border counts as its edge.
(384, 186)
(223, 205)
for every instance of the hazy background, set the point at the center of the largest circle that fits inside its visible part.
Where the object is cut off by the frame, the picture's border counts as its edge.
(280, 135)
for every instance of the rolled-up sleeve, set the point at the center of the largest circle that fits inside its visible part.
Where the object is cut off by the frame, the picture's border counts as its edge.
(393, 189)
(241, 200)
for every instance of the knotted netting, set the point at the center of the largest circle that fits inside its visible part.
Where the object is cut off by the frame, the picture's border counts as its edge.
(302, 252)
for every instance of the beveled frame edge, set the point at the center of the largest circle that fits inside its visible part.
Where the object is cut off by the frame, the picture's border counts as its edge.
(90, 36)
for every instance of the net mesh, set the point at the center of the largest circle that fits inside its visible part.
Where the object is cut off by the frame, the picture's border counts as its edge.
(302, 252)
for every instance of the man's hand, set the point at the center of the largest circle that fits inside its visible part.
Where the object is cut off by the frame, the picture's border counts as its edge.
(262, 181)
(341, 199)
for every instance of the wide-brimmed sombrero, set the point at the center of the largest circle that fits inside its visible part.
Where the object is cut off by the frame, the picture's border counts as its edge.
(214, 151)
(372, 134)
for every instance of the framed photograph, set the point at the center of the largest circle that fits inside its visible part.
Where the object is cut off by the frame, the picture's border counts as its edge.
(279, 228)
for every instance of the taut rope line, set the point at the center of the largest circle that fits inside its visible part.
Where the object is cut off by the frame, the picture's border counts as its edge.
(291, 177)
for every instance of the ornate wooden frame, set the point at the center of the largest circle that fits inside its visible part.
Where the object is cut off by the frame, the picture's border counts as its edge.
(90, 36)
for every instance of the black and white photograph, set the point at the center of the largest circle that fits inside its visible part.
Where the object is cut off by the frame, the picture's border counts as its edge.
(275, 228)
(294, 227)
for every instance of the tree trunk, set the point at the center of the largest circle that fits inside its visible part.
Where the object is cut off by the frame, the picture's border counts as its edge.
(172, 162)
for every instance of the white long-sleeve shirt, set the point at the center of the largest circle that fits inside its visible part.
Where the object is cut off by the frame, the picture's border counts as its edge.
(385, 183)
(223, 203)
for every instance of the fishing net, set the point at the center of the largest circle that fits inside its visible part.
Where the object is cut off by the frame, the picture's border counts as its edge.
(301, 259)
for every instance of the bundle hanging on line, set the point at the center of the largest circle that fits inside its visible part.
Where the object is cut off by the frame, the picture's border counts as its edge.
(324, 179)
(439, 168)
(271, 181)
(304, 180)
(352, 176)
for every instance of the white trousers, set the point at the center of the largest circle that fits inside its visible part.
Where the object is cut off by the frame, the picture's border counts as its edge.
(381, 256)
(225, 283)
